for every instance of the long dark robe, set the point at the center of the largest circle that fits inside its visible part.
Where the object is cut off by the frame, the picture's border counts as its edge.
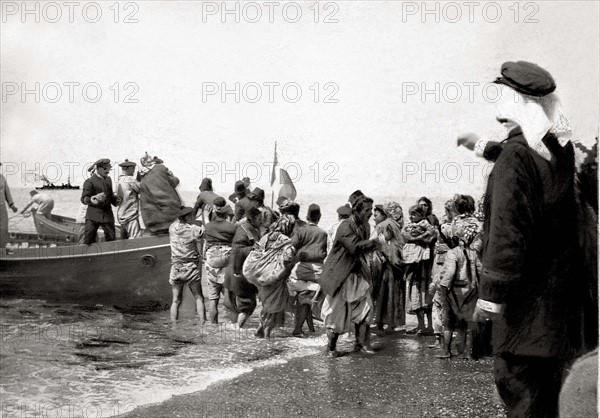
(350, 244)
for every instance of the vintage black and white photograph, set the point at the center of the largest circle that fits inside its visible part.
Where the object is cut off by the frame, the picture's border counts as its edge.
(310, 208)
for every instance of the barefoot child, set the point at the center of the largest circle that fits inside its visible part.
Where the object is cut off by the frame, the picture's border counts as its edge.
(184, 237)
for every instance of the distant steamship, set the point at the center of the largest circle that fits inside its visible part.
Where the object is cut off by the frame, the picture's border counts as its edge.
(51, 186)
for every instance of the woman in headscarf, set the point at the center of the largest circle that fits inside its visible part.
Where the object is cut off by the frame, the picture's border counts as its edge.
(274, 297)
(427, 206)
(396, 214)
(460, 278)
(441, 248)
(425, 203)
(389, 235)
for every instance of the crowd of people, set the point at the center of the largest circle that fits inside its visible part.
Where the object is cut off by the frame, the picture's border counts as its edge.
(370, 268)
(524, 260)
(355, 272)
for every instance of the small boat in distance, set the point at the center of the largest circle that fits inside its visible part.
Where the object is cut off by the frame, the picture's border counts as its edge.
(52, 186)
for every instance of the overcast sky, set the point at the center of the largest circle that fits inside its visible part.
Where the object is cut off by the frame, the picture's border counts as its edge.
(360, 118)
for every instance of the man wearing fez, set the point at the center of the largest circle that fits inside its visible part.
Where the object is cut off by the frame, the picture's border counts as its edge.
(128, 213)
(98, 194)
(528, 287)
(239, 192)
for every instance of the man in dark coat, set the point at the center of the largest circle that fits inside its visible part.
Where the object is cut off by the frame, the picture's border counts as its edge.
(98, 194)
(310, 243)
(528, 288)
(252, 199)
(346, 280)
(204, 207)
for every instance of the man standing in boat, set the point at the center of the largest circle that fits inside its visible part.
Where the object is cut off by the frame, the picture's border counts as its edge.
(98, 195)
(5, 198)
(128, 190)
(45, 203)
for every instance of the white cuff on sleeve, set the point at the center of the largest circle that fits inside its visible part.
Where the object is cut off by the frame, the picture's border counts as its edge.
(480, 147)
(488, 306)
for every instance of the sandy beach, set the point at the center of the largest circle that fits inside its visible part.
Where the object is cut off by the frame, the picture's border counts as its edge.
(402, 379)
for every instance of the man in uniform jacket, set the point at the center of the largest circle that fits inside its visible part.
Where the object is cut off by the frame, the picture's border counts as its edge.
(528, 286)
(98, 194)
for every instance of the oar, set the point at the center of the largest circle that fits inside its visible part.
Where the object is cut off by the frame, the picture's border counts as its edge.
(20, 214)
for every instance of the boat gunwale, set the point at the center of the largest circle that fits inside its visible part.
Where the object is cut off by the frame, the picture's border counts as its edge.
(63, 220)
(18, 257)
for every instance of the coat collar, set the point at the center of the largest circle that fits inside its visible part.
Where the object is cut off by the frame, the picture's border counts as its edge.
(542, 147)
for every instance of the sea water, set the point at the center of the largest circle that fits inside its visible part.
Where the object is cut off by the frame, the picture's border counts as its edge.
(72, 360)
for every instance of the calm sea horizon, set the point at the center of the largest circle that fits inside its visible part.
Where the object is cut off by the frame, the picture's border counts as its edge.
(67, 203)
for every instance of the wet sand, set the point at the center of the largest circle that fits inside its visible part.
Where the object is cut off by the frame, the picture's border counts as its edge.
(402, 379)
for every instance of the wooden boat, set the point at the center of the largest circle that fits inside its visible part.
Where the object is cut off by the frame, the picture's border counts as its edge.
(128, 274)
(55, 225)
(61, 225)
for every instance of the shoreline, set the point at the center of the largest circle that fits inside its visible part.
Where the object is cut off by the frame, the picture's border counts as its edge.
(403, 378)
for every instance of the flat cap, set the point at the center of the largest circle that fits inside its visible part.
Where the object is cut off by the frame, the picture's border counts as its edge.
(127, 163)
(527, 78)
(102, 162)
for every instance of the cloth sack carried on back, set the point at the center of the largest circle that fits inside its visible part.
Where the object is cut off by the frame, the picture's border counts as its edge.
(217, 256)
(264, 264)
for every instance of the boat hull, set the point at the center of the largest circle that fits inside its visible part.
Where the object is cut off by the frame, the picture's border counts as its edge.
(56, 225)
(62, 225)
(129, 274)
